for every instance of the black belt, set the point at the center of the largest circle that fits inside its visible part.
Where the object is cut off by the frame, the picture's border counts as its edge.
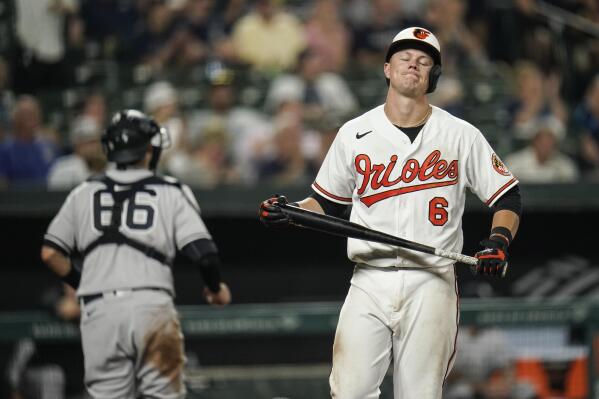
(86, 299)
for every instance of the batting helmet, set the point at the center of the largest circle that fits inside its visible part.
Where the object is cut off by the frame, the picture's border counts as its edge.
(128, 135)
(423, 40)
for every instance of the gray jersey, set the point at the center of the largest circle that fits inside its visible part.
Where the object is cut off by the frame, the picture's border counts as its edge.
(164, 216)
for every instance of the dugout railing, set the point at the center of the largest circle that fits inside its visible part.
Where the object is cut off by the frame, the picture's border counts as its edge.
(562, 336)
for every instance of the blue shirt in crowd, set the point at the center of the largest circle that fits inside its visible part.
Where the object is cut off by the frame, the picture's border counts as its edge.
(26, 163)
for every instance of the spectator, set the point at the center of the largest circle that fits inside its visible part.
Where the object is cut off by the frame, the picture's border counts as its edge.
(94, 106)
(370, 40)
(463, 52)
(537, 97)
(269, 39)
(229, 11)
(202, 27)
(586, 117)
(461, 47)
(292, 157)
(484, 367)
(206, 163)
(327, 35)
(161, 42)
(247, 129)
(110, 26)
(541, 161)
(87, 157)
(26, 156)
(41, 47)
(161, 102)
(327, 127)
(321, 92)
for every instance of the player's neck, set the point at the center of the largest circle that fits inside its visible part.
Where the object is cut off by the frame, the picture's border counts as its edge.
(407, 112)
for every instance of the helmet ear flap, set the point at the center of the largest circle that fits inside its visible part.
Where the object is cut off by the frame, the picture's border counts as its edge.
(433, 77)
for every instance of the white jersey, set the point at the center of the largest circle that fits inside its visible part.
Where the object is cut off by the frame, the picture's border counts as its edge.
(416, 190)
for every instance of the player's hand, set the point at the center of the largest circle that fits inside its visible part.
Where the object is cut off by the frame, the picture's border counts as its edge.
(492, 260)
(67, 307)
(220, 298)
(270, 214)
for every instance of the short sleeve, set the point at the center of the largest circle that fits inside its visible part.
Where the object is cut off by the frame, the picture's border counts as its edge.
(488, 177)
(61, 231)
(189, 225)
(335, 179)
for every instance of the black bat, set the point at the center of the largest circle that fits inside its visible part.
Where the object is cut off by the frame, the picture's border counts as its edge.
(343, 228)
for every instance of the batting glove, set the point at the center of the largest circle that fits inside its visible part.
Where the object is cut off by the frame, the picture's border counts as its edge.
(492, 260)
(270, 213)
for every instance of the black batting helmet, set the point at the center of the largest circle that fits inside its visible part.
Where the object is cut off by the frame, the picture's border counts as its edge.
(128, 135)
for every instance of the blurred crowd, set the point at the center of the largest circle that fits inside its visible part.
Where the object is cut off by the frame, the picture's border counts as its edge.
(255, 90)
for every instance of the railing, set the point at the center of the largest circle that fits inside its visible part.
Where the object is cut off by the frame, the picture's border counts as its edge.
(257, 321)
(308, 318)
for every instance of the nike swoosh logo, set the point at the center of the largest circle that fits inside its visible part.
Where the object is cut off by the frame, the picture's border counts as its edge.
(359, 136)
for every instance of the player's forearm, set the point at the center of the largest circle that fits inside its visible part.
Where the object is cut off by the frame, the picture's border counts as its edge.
(507, 219)
(56, 261)
(311, 204)
(60, 264)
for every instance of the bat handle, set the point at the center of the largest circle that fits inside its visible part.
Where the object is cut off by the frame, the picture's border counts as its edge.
(469, 260)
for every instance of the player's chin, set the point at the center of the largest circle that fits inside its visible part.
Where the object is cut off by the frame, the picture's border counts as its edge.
(411, 90)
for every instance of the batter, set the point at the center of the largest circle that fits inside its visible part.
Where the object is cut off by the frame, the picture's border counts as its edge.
(404, 167)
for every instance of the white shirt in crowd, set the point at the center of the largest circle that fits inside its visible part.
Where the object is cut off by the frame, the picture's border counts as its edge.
(558, 169)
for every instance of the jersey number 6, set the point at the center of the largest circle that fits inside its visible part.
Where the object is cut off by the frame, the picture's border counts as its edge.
(437, 214)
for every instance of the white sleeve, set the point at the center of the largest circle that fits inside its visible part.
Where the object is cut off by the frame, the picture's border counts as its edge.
(335, 180)
(487, 175)
(61, 231)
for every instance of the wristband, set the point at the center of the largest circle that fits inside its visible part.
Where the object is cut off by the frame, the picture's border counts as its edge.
(504, 232)
(72, 278)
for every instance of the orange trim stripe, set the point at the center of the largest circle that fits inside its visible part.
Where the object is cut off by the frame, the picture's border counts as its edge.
(506, 185)
(371, 199)
(457, 322)
(325, 192)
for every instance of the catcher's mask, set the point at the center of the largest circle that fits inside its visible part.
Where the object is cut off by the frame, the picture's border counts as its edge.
(128, 135)
(423, 40)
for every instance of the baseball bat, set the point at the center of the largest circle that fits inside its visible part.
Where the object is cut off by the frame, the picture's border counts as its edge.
(343, 228)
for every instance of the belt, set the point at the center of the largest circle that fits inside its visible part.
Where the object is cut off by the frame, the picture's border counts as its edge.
(86, 299)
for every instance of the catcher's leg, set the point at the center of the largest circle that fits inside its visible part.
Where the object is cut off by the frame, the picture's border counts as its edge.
(161, 354)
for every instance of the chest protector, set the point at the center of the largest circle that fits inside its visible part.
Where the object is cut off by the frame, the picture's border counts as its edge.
(111, 233)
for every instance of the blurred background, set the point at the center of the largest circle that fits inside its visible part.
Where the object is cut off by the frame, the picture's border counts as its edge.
(253, 93)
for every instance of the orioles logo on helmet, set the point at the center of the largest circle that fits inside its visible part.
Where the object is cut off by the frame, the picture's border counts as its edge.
(499, 166)
(421, 34)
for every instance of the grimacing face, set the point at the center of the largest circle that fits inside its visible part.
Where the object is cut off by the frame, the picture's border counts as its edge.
(408, 71)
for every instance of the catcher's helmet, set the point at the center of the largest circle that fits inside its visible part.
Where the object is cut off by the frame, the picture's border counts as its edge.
(423, 40)
(128, 135)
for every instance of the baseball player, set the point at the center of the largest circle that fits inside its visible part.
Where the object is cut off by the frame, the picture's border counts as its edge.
(404, 166)
(127, 225)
